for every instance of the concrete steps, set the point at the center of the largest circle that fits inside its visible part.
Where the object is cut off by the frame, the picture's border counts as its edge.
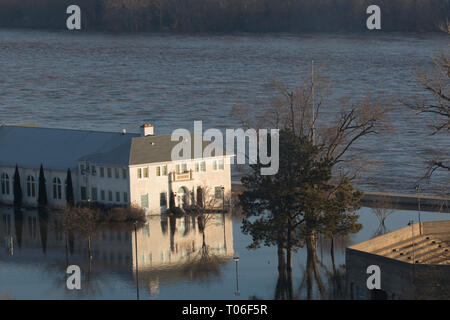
(427, 249)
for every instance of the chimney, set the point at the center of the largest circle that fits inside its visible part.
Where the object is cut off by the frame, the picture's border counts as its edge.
(146, 130)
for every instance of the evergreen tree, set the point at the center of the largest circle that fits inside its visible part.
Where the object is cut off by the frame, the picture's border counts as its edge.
(69, 190)
(17, 189)
(42, 197)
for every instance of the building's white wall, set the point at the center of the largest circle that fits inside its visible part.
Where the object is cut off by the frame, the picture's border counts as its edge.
(32, 201)
(105, 184)
(131, 185)
(154, 185)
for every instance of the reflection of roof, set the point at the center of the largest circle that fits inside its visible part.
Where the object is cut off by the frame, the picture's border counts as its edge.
(59, 149)
(205, 269)
(427, 243)
(153, 149)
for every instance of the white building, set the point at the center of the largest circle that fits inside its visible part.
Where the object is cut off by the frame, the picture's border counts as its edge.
(107, 167)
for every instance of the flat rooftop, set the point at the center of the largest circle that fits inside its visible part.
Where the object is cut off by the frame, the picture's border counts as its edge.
(426, 243)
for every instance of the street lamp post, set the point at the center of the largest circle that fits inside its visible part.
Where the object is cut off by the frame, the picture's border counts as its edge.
(137, 262)
(236, 259)
(418, 204)
(411, 223)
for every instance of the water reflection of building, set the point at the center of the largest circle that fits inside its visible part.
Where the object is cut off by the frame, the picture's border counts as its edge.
(172, 249)
(168, 248)
(414, 263)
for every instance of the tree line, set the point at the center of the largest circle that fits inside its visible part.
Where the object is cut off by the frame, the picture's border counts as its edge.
(293, 16)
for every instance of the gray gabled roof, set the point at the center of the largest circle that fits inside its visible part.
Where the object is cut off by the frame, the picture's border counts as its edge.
(153, 149)
(59, 149)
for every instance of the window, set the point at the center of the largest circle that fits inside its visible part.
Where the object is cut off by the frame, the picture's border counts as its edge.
(31, 187)
(218, 193)
(83, 193)
(102, 195)
(94, 194)
(109, 172)
(5, 183)
(125, 197)
(93, 171)
(117, 173)
(82, 168)
(145, 172)
(144, 201)
(181, 168)
(146, 230)
(117, 196)
(218, 220)
(57, 188)
(124, 173)
(161, 171)
(218, 164)
(203, 166)
(102, 172)
(197, 167)
(139, 173)
(110, 196)
(163, 199)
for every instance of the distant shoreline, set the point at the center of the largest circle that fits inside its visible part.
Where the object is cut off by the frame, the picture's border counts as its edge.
(232, 34)
(226, 16)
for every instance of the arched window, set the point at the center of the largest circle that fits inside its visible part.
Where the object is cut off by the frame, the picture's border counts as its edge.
(57, 188)
(31, 187)
(5, 183)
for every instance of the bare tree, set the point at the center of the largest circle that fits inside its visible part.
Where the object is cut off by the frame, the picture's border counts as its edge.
(437, 84)
(301, 110)
(382, 208)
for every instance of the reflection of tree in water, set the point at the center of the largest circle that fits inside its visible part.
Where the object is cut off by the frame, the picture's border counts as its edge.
(204, 265)
(284, 288)
(164, 224)
(382, 212)
(92, 277)
(318, 280)
(173, 228)
(43, 227)
(18, 225)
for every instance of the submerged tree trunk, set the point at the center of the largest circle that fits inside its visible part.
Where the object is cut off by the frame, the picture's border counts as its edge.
(280, 289)
(312, 265)
(309, 274)
(332, 256)
(289, 284)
